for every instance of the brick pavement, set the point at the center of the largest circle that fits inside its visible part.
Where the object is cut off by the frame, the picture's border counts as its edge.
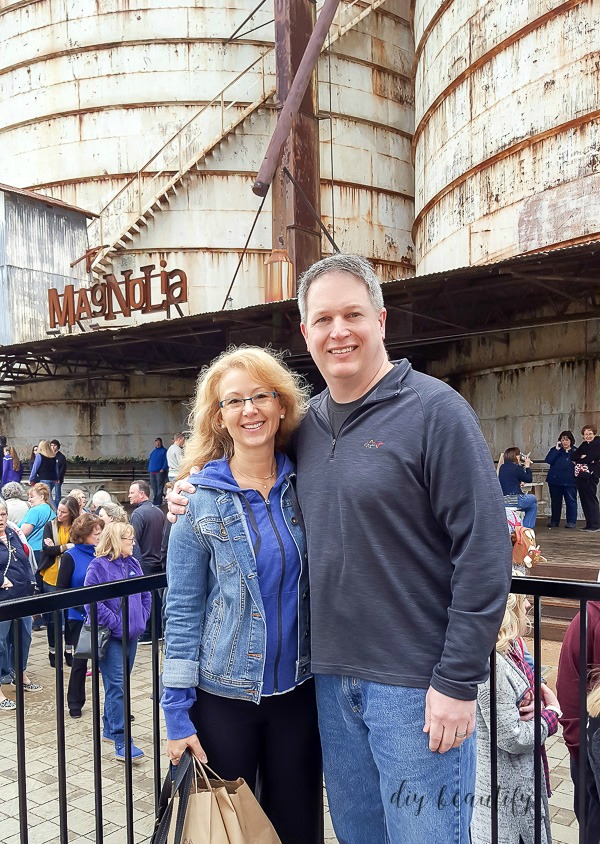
(42, 785)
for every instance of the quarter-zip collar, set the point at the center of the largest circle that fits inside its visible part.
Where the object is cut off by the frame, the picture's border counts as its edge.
(389, 387)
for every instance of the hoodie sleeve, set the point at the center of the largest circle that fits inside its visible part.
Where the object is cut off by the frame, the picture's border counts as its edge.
(35, 467)
(467, 503)
(187, 583)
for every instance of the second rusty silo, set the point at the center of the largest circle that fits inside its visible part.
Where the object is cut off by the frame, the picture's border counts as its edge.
(507, 132)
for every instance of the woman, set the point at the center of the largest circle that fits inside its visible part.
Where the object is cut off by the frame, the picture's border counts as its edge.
(56, 542)
(39, 514)
(44, 466)
(111, 512)
(15, 496)
(237, 687)
(12, 468)
(81, 498)
(511, 475)
(561, 480)
(515, 739)
(587, 471)
(16, 581)
(114, 561)
(84, 536)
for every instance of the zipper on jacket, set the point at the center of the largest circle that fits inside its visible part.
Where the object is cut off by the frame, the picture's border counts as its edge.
(279, 593)
(332, 455)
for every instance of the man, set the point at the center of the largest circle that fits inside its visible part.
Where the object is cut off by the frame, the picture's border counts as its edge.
(409, 569)
(61, 469)
(158, 469)
(174, 455)
(148, 522)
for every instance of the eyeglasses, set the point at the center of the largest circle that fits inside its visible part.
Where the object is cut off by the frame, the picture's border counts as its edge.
(259, 400)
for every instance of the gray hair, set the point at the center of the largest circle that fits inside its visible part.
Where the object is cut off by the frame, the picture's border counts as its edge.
(115, 511)
(3, 507)
(100, 498)
(354, 265)
(13, 489)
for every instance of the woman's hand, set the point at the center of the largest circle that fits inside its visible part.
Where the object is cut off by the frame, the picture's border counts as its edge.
(48, 542)
(548, 696)
(527, 461)
(177, 747)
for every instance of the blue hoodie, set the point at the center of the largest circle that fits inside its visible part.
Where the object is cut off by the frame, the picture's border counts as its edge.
(277, 565)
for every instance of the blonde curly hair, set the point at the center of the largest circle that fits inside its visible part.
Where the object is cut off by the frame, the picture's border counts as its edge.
(208, 440)
(515, 622)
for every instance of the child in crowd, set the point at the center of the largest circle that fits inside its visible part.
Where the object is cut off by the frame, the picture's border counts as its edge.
(114, 562)
(515, 739)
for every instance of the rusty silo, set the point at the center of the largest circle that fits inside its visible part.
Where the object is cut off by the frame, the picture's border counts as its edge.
(144, 112)
(506, 129)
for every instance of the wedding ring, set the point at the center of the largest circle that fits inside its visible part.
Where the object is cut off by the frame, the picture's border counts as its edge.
(461, 735)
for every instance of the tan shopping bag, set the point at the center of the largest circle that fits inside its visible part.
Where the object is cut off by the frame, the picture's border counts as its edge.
(196, 809)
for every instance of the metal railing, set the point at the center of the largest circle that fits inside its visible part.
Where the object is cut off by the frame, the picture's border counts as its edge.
(538, 588)
(55, 603)
(59, 601)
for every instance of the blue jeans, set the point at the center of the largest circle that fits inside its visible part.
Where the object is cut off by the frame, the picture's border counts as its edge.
(111, 668)
(157, 485)
(383, 783)
(528, 503)
(57, 494)
(7, 653)
(557, 493)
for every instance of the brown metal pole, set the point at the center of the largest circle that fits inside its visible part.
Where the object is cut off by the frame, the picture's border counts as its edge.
(294, 98)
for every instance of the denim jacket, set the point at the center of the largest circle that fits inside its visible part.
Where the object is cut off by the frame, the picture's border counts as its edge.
(216, 628)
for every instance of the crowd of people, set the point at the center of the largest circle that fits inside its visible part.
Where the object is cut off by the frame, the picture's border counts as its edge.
(47, 548)
(572, 471)
(376, 664)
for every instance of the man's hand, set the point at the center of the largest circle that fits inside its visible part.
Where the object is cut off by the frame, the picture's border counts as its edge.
(447, 721)
(176, 501)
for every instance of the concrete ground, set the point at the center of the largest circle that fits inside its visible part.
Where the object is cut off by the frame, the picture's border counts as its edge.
(42, 785)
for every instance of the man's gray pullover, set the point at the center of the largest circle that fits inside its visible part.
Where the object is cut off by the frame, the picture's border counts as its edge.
(409, 551)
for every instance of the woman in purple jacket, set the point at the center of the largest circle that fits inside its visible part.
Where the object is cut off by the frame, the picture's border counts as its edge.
(114, 562)
(12, 468)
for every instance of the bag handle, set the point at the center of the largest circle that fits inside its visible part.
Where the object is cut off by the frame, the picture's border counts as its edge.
(180, 782)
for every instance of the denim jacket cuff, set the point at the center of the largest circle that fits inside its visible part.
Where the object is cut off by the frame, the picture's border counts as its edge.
(180, 673)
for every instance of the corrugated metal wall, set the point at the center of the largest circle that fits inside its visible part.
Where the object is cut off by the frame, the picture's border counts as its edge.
(37, 244)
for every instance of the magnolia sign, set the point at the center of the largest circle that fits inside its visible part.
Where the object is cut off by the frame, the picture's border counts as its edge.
(111, 297)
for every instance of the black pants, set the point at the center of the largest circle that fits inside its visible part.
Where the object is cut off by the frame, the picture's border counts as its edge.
(275, 747)
(592, 801)
(586, 487)
(76, 687)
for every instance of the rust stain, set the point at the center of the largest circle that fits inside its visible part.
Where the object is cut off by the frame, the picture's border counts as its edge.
(500, 47)
(507, 152)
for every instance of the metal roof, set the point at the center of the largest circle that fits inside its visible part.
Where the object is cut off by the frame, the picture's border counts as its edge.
(425, 314)
(47, 200)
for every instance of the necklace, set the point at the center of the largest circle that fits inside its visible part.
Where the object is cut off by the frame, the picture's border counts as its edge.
(260, 478)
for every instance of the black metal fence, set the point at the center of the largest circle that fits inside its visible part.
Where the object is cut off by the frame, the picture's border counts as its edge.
(57, 602)
(539, 588)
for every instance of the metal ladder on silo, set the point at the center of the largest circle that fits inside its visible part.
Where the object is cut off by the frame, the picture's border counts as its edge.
(141, 198)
